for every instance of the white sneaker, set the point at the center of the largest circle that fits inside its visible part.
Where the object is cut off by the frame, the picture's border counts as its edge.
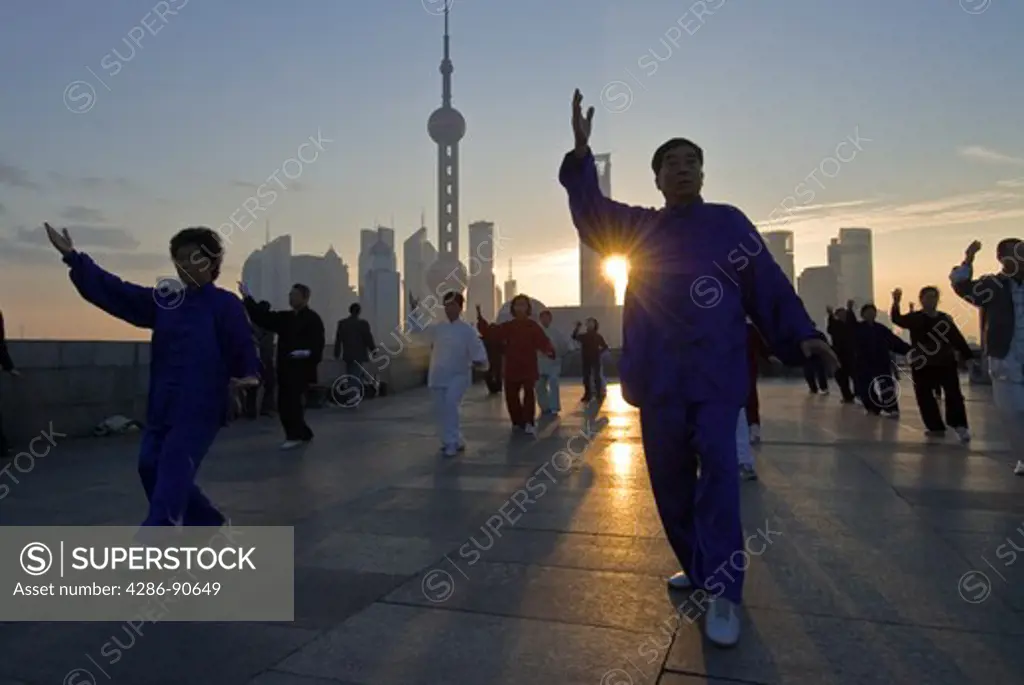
(531, 429)
(450, 451)
(825, 391)
(747, 472)
(680, 581)
(963, 434)
(755, 433)
(290, 444)
(1018, 470)
(722, 623)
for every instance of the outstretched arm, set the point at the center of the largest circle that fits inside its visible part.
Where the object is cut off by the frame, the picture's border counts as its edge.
(897, 344)
(132, 303)
(897, 317)
(261, 315)
(478, 353)
(239, 345)
(770, 301)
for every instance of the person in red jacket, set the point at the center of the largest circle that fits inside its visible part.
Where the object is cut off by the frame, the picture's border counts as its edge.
(523, 338)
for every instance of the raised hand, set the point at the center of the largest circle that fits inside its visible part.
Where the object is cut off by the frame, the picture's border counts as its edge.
(820, 349)
(60, 239)
(581, 125)
(243, 290)
(972, 250)
(897, 295)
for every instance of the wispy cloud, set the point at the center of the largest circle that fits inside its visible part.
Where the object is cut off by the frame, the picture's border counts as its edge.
(14, 251)
(86, 214)
(93, 183)
(1004, 202)
(1011, 183)
(84, 236)
(253, 187)
(980, 153)
(16, 177)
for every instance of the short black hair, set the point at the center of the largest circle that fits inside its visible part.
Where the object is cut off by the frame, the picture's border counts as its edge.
(456, 297)
(867, 307)
(659, 155)
(206, 239)
(302, 288)
(1008, 247)
(928, 289)
(354, 308)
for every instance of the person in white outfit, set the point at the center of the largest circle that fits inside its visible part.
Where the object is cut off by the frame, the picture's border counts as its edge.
(456, 348)
(1001, 300)
(548, 385)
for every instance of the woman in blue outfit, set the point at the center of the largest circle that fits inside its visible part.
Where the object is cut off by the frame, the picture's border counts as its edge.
(874, 346)
(202, 345)
(697, 271)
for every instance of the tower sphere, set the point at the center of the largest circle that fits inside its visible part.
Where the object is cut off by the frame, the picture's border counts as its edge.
(446, 126)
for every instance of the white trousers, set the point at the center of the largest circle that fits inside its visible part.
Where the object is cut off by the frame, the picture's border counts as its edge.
(744, 453)
(447, 400)
(1009, 401)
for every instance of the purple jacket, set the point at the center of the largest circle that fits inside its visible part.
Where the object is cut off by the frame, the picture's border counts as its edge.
(696, 273)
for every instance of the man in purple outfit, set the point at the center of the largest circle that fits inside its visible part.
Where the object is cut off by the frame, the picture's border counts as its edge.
(697, 271)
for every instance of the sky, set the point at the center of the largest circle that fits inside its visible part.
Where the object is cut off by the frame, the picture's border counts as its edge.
(197, 108)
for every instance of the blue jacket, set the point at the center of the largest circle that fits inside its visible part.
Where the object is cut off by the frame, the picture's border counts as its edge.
(201, 339)
(696, 273)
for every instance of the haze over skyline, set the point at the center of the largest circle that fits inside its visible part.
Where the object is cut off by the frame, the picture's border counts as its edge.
(209, 102)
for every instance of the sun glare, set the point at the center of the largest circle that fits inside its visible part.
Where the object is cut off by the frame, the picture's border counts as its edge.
(616, 270)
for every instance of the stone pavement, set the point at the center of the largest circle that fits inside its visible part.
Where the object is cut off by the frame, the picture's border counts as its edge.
(412, 570)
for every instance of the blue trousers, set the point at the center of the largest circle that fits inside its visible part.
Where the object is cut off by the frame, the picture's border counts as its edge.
(699, 507)
(169, 460)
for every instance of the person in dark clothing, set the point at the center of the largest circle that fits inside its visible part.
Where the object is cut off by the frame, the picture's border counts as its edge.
(6, 365)
(300, 348)
(260, 400)
(491, 335)
(935, 362)
(353, 343)
(841, 325)
(816, 376)
(875, 344)
(592, 345)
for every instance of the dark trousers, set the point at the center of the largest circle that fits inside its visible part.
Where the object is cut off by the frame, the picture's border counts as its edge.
(880, 393)
(4, 445)
(753, 401)
(694, 470)
(521, 400)
(169, 460)
(844, 379)
(291, 394)
(815, 374)
(592, 378)
(268, 403)
(493, 375)
(927, 381)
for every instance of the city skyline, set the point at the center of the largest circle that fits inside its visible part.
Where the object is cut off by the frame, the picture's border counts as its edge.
(805, 129)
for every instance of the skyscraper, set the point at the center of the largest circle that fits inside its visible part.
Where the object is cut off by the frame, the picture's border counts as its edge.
(381, 292)
(851, 256)
(595, 289)
(510, 290)
(481, 268)
(818, 289)
(447, 127)
(417, 256)
(780, 245)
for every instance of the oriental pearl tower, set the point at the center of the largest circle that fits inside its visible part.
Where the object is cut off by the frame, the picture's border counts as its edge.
(447, 127)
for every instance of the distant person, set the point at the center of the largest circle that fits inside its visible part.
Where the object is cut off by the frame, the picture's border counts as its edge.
(1001, 300)
(495, 346)
(816, 376)
(684, 355)
(756, 351)
(841, 325)
(6, 365)
(202, 347)
(875, 345)
(455, 349)
(300, 348)
(549, 384)
(266, 342)
(939, 346)
(523, 338)
(353, 343)
(592, 346)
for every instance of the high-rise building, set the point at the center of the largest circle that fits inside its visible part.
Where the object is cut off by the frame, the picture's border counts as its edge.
(510, 290)
(417, 256)
(447, 127)
(268, 273)
(381, 292)
(818, 288)
(851, 256)
(595, 288)
(498, 300)
(780, 246)
(481, 269)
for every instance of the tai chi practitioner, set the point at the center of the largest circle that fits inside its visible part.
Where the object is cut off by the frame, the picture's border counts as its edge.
(455, 348)
(202, 345)
(684, 350)
(874, 346)
(548, 385)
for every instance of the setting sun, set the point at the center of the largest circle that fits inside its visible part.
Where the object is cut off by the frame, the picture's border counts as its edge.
(616, 270)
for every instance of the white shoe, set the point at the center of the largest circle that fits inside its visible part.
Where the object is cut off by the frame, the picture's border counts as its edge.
(755, 433)
(722, 623)
(963, 434)
(825, 391)
(291, 444)
(531, 429)
(1018, 470)
(747, 472)
(680, 581)
(450, 451)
